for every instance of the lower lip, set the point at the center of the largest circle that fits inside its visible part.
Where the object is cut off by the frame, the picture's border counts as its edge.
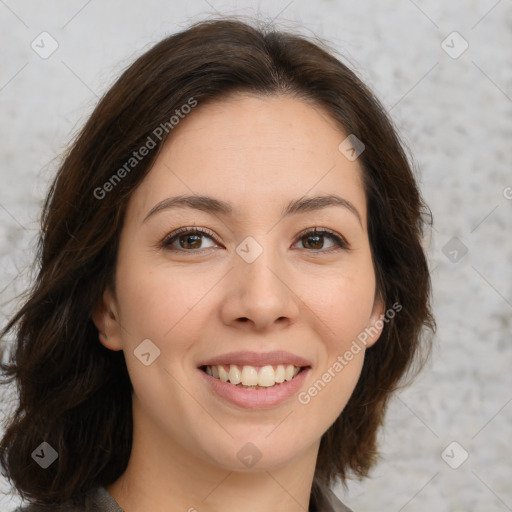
(261, 398)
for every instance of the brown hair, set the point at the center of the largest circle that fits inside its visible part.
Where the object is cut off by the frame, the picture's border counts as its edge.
(74, 393)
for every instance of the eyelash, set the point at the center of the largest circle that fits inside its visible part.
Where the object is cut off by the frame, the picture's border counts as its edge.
(169, 239)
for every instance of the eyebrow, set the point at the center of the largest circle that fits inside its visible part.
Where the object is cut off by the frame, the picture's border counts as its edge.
(211, 205)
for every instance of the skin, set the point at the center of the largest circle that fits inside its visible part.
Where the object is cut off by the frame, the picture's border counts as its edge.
(298, 295)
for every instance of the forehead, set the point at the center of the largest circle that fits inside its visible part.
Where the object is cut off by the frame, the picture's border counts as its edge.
(255, 152)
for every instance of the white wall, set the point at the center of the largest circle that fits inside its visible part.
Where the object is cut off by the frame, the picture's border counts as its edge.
(454, 114)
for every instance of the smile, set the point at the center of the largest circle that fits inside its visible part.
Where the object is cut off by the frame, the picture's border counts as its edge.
(253, 377)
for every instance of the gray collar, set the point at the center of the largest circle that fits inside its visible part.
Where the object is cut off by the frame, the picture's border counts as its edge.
(100, 500)
(329, 502)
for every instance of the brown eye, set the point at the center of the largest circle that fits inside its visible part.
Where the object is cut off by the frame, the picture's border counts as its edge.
(315, 240)
(187, 239)
(192, 241)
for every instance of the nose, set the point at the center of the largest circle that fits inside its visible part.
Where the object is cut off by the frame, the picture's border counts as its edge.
(260, 294)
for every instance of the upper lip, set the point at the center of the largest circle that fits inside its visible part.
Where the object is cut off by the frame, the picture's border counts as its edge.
(247, 358)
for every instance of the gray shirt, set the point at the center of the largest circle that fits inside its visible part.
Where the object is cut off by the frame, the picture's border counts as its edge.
(100, 500)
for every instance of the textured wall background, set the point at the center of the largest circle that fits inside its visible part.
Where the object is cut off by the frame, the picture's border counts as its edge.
(454, 111)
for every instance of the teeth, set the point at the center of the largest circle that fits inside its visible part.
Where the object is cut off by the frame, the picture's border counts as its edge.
(267, 376)
(280, 374)
(235, 377)
(289, 372)
(223, 374)
(249, 376)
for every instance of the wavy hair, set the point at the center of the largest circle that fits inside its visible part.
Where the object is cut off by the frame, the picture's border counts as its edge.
(74, 393)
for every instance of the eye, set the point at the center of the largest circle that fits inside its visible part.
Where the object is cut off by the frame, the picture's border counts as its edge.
(314, 240)
(187, 238)
(190, 239)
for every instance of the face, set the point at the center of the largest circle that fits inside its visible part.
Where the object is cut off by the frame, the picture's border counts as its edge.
(244, 272)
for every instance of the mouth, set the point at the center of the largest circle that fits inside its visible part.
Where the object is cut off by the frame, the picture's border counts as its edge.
(254, 377)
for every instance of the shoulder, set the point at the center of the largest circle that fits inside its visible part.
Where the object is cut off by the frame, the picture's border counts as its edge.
(328, 501)
(335, 503)
(97, 500)
(53, 508)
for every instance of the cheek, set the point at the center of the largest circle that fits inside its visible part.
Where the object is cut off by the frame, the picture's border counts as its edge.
(161, 306)
(155, 302)
(167, 307)
(344, 303)
(341, 360)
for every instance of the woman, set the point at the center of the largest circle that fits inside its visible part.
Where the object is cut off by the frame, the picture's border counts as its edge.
(232, 285)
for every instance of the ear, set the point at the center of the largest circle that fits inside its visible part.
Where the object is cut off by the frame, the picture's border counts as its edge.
(376, 322)
(105, 319)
